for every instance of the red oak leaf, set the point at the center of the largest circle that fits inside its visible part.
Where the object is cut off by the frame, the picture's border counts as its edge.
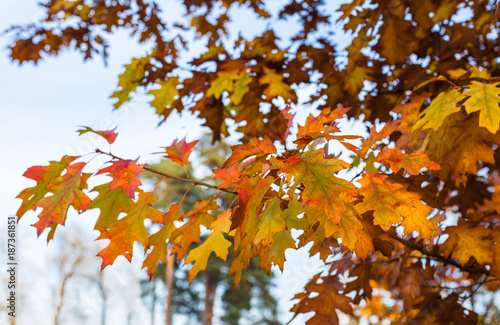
(254, 147)
(67, 191)
(130, 229)
(125, 175)
(43, 175)
(179, 151)
(110, 135)
(230, 176)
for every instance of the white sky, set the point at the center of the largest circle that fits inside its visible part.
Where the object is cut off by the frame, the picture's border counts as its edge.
(42, 107)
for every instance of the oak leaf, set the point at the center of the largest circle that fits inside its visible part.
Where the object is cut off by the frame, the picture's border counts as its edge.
(270, 222)
(229, 176)
(412, 162)
(443, 105)
(224, 82)
(215, 242)
(241, 88)
(130, 79)
(165, 96)
(67, 190)
(110, 135)
(275, 86)
(484, 97)
(130, 229)
(326, 301)
(189, 232)
(43, 175)
(391, 204)
(251, 192)
(158, 240)
(125, 174)
(111, 203)
(465, 242)
(179, 151)
(376, 137)
(282, 240)
(324, 193)
(255, 147)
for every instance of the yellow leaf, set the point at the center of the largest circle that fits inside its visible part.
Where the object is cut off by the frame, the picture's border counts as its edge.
(130, 79)
(484, 98)
(282, 241)
(443, 105)
(270, 222)
(166, 95)
(223, 82)
(275, 86)
(215, 242)
(240, 88)
(354, 80)
(465, 242)
(390, 202)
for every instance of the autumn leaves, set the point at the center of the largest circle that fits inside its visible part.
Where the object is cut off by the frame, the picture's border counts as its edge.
(277, 191)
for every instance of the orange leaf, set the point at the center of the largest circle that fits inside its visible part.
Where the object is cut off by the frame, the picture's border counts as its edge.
(43, 175)
(110, 135)
(159, 240)
(251, 191)
(230, 176)
(326, 301)
(179, 151)
(466, 242)
(411, 162)
(254, 147)
(130, 229)
(323, 193)
(67, 191)
(390, 202)
(125, 175)
(376, 137)
(324, 123)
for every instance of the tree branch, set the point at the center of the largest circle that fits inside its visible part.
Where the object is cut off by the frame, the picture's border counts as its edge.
(182, 179)
(442, 259)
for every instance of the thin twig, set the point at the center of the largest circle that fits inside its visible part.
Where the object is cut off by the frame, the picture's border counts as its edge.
(440, 258)
(182, 179)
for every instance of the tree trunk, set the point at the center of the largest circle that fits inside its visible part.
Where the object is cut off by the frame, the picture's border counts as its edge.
(210, 288)
(153, 302)
(169, 280)
(57, 317)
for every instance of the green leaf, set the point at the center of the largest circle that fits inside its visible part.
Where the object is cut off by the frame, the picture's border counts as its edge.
(282, 241)
(111, 203)
(270, 222)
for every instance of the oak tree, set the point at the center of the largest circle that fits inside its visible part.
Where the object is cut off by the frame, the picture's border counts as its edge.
(409, 239)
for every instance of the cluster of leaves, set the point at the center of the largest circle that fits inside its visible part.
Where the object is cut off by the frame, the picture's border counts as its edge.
(419, 223)
(253, 292)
